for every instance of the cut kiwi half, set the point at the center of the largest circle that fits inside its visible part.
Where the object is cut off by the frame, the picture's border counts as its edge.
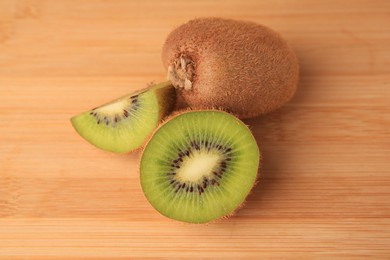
(124, 124)
(199, 166)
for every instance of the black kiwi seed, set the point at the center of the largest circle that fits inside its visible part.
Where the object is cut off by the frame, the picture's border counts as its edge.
(197, 147)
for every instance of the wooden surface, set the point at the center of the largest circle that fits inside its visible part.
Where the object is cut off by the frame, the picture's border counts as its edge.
(324, 190)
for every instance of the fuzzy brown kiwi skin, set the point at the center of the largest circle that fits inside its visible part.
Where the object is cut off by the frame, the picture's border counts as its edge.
(244, 67)
(176, 114)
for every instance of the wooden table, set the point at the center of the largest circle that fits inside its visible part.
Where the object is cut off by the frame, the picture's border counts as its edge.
(324, 190)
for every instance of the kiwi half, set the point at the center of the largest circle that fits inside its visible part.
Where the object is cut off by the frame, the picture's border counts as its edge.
(199, 166)
(124, 124)
(242, 67)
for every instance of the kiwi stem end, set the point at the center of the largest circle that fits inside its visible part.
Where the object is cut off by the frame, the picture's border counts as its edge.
(181, 73)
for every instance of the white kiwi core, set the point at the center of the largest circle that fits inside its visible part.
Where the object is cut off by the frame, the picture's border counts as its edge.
(114, 107)
(198, 165)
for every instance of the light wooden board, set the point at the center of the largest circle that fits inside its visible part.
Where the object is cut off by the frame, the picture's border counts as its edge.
(324, 190)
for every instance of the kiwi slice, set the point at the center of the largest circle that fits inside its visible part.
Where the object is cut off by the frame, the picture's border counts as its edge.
(199, 166)
(124, 124)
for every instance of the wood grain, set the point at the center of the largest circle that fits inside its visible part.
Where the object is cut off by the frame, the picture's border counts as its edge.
(324, 190)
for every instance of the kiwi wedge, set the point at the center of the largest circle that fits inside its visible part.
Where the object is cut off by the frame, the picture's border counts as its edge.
(199, 166)
(124, 124)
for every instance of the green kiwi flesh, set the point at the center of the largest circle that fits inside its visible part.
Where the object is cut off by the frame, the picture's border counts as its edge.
(124, 124)
(199, 166)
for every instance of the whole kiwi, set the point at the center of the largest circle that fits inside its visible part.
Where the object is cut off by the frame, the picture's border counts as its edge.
(242, 67)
